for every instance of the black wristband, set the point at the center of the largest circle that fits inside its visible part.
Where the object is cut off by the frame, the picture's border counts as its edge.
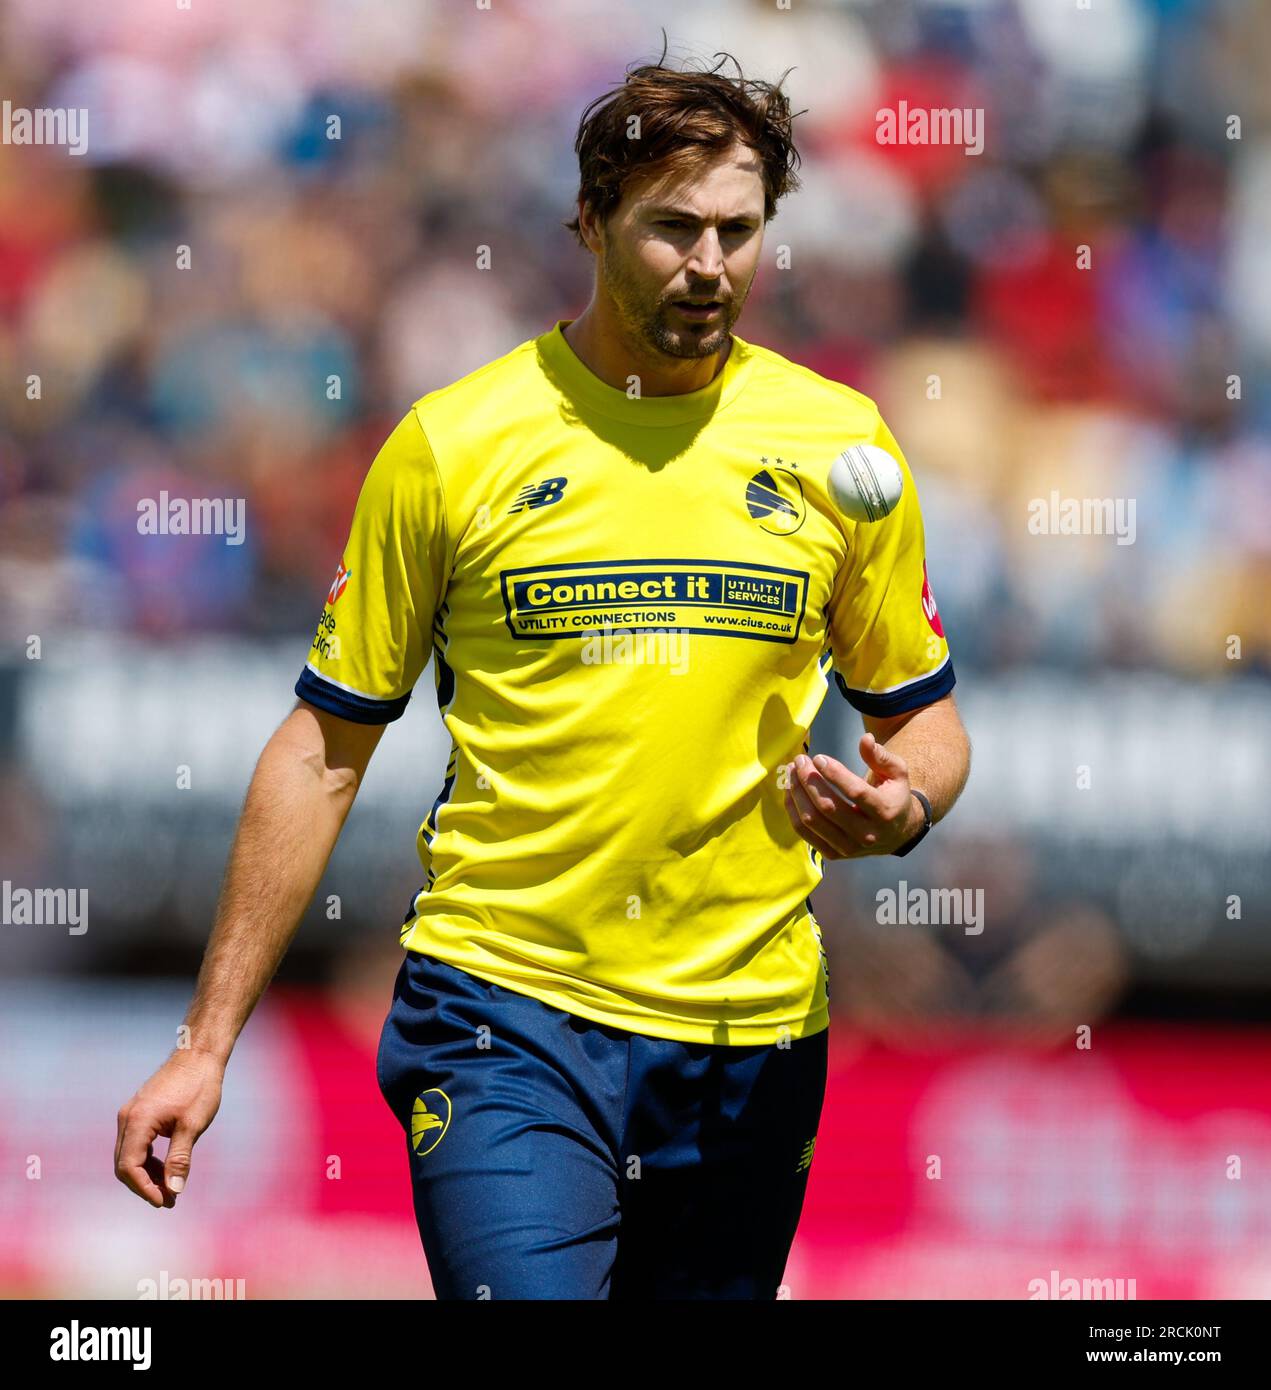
(926, 825)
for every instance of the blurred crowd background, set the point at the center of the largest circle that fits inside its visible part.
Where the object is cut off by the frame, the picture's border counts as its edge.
(270, 248)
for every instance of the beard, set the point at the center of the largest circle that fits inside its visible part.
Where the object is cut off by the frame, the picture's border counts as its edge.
(651, 323)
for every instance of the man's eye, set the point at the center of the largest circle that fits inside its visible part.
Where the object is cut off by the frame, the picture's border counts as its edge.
(730, 229)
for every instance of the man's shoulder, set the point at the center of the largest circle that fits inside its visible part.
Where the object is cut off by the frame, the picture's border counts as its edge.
(786, 378)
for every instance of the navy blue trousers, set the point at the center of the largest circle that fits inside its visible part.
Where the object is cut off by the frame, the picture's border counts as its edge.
(556, 1158)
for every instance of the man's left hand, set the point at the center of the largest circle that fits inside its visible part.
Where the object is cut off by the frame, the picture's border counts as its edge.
(843, 816)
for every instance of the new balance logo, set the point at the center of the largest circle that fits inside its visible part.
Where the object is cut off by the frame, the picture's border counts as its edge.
(805, 1158)
(539, 494)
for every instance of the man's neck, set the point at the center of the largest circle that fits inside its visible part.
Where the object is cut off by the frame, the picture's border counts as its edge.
(615, 360)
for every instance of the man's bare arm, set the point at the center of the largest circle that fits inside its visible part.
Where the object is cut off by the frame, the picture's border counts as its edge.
(934, 744)
(300, 794)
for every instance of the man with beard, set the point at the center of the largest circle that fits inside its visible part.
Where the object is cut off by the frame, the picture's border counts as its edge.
(607, 1046)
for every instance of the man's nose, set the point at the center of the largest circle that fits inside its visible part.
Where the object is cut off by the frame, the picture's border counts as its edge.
(707, 257)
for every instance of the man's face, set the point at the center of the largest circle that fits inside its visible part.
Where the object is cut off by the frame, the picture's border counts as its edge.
(695, 235)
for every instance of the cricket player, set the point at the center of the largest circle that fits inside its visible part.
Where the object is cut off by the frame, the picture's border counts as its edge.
(607, 1042)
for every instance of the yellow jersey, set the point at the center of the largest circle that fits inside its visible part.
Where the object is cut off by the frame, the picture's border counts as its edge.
(632, 605)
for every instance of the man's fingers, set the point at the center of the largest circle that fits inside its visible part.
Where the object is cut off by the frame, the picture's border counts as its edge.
(844, 840)
(154, 1167)
(825, 773)
(881, 758)
(176, 1164)
(121, 1124)
(824, 850)
(134, 1162)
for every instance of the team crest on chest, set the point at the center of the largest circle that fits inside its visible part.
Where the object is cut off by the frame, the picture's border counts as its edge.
(774, 498)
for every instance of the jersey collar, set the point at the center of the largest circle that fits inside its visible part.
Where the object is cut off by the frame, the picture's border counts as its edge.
(575, 380)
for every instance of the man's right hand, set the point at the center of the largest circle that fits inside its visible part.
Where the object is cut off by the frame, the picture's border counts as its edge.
(180, 1100)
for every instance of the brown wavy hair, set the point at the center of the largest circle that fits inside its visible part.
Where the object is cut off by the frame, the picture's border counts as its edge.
(684, 116)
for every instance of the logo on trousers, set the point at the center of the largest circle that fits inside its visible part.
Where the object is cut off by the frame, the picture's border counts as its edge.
(429, 1120)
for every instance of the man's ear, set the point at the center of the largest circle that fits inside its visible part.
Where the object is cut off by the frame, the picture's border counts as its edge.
(587, 225)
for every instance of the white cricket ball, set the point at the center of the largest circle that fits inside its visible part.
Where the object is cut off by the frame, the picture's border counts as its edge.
(865, 482)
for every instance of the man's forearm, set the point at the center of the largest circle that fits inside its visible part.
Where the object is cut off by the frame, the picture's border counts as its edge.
(292, 817)
(936, 749)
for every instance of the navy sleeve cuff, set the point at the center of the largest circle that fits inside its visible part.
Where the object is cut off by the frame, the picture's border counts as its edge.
(882, 706)
(358, 709)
